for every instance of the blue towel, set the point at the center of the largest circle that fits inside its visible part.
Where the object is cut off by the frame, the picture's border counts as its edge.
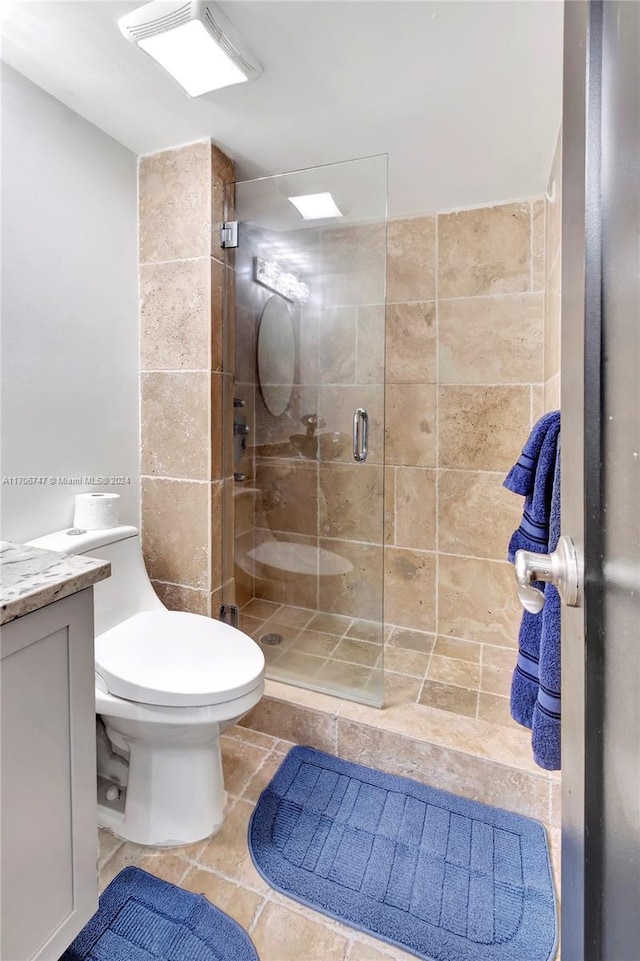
(537, 476)
(546, 713)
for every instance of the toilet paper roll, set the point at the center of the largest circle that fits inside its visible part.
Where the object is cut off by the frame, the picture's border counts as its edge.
(96, 512)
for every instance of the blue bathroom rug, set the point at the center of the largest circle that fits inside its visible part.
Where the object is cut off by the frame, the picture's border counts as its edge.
(141, 918)
(440, 876)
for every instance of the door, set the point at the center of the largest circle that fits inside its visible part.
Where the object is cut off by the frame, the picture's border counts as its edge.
(601, 481)
(306, 450)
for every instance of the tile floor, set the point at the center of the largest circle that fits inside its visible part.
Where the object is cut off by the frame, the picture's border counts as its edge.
(336, 652)
(222, 870)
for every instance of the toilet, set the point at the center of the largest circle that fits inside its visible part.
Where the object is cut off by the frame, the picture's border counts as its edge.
(168, 684)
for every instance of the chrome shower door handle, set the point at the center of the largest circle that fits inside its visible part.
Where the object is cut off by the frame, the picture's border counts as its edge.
(560, 568)
(360, 435)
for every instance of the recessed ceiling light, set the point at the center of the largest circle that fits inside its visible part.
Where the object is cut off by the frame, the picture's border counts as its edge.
(316, 206)
(194, 42)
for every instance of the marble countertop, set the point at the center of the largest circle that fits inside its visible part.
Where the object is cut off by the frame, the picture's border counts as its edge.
(31, 578)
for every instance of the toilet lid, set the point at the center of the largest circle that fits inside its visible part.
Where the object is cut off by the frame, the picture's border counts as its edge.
(175, 659)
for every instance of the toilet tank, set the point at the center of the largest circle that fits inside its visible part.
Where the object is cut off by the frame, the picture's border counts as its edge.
(128, 591)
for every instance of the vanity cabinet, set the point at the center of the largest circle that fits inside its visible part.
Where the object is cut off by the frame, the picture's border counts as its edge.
(48, 789)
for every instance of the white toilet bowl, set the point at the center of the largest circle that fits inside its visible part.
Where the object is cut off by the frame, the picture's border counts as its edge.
(167, 685)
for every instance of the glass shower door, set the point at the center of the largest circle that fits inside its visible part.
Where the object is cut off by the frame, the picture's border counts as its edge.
(306, 447)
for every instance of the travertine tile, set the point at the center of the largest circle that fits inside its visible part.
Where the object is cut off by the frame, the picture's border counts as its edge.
(348, 496)
(358, 652)
(128, 853)
(497, 670)
(538, 234)
(449, 697)
(294, 724)
(478, 601)
(372, 631)
(294, 616)
(343, 677)
(175, 531)
(401, 689)
(108, 844)
(411, 343)
(370, 356)
(222, 177)
(240, 761)
(166, 865)
(175, 312)
(401, 661)
(352, 264)
(389, 505)
(262, 777)
(411, 640)
(451, 670)
(552, 322)
(358, 592)
(552, 393)
(284, 935)
(410, 430)
(175, 203)
(484, 251)
(235, 900)
(315, 642)
(456, 648)
(252, 626)
(174, 414)
(495, 709)
(415, 508)
(178, 598)
(216, 521)
(555, 799)
(262, 609)
(448, 769)
(336, 406)
(476, 514)
(227, 852)
(537, 403)
(329, 623)
(337, 346)
(410, 588)
(245, 734)
(482, 428)
(294, 666)
(491, 340)
(288, 499)
(221, 422)
(411, 246)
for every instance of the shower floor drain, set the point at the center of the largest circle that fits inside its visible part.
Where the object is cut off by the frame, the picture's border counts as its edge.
(271, 640)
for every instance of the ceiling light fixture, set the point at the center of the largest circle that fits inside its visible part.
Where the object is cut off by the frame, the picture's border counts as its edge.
(316, 206)
(194, 42)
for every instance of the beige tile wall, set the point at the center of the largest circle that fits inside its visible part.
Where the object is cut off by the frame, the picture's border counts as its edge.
(553, 266)
(465, 382)
(181, 372)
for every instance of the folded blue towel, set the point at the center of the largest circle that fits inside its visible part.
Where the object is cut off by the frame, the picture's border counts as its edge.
(537, 475)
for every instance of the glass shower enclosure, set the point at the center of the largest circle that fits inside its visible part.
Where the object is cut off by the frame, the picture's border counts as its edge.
(304, 443)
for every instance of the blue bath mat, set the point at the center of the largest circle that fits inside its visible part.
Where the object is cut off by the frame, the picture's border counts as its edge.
(435, 874)
(141, 918)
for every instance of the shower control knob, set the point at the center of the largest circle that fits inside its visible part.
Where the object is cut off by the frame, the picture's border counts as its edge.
(241, 429)
(239, 402)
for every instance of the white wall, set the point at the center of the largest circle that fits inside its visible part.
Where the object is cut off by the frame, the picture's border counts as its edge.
(69, 310)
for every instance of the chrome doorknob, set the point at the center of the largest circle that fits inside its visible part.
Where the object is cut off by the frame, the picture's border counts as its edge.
(561, 568)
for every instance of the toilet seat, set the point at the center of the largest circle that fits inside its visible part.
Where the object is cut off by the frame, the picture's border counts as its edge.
(176, 659)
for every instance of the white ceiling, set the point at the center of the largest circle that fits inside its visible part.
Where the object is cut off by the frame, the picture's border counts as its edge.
(464, 96)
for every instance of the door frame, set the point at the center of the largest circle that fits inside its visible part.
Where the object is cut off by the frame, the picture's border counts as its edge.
(601, 430)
